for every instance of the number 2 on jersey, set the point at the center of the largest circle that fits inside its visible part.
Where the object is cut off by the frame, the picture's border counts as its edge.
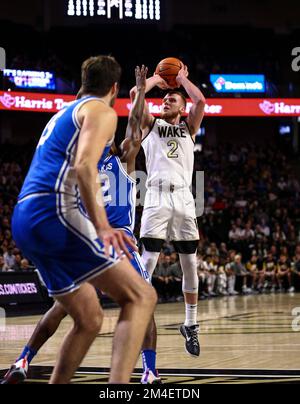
(174, 147)
(105, 185)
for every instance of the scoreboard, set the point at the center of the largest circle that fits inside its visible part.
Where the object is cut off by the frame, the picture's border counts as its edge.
(120, 10)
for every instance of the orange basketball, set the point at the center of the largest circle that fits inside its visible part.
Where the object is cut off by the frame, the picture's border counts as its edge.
(168, 69)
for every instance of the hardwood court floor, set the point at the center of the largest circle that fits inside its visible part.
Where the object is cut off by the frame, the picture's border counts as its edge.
(246, 339)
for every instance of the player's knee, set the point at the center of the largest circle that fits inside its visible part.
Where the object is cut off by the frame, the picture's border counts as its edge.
(90, 321)
(146, 297)
(58, 311)
(93, 325)
(96, 324)
(150, 296)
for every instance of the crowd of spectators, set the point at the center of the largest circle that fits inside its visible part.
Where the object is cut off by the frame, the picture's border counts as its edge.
(251, 199)
(224, 272)
(11, 179)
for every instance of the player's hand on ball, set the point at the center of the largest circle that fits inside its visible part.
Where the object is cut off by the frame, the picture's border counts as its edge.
(141, 77)
(161, 83)
(118, 240)
(182, 75)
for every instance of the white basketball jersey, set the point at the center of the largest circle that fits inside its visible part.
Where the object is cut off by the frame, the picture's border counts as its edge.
(169, 151)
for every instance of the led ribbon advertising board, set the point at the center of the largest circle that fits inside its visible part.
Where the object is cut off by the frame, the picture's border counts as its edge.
(215, 107)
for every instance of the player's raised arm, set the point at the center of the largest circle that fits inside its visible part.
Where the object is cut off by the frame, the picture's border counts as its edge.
(196, 114)
(132, 143)
(136, 114)
(151, 82)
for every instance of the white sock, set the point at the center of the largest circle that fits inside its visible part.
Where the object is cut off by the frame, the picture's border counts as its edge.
(190, 314)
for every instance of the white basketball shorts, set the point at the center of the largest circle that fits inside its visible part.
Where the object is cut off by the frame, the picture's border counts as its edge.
(169, 215)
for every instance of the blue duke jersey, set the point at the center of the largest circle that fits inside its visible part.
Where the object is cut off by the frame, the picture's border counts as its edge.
(119, 193)
(52, 168)
(48, 223)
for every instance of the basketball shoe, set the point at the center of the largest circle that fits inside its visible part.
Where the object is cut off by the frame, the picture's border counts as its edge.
(149, 378)
(190, 334)
(17, 373)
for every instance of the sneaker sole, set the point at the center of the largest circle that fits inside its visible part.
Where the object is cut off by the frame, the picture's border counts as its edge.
(191, 355)
(15, 378)
(157, 382)
(154, 382)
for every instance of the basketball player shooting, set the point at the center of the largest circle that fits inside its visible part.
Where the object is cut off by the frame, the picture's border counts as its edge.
(169, 211)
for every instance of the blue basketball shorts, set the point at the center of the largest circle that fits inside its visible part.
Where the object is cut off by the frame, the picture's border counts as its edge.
(136, 260)
(60, 240)
(139, 266)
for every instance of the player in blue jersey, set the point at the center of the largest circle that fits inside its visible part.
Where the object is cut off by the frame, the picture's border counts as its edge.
(70, 247)
(119, 190)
